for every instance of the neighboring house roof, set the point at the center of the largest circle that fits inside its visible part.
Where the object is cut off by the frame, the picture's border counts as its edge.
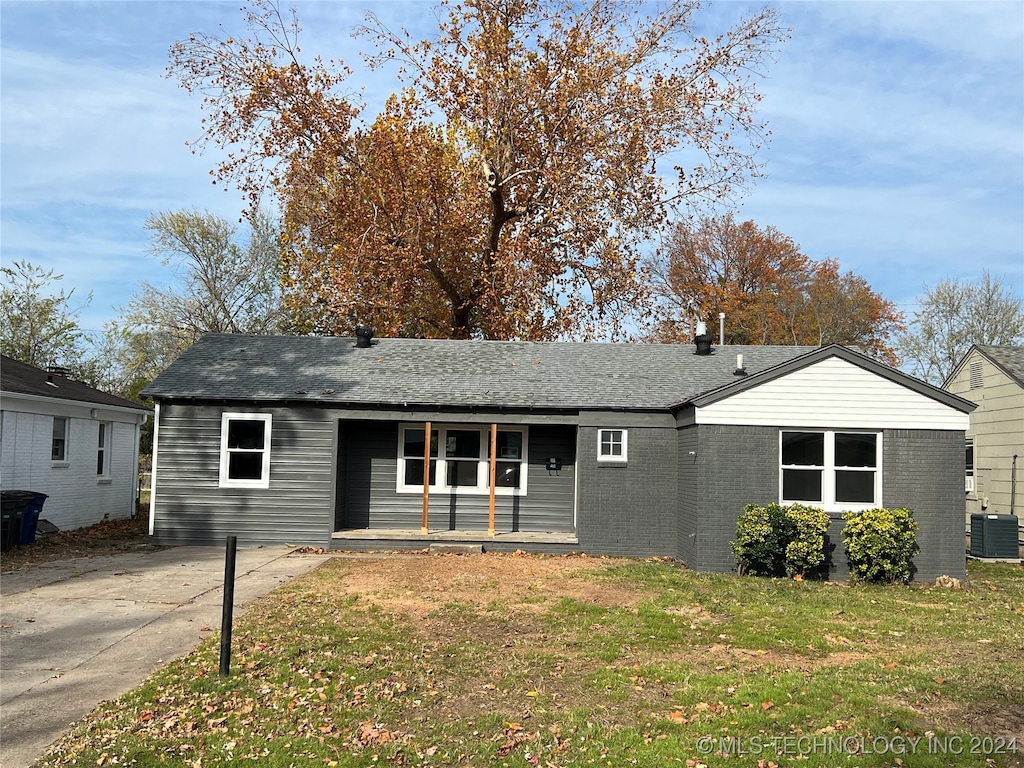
(459, 373)
(1009, 359)
(17, 377)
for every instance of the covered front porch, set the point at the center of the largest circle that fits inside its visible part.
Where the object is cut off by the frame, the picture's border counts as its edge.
(503, 484)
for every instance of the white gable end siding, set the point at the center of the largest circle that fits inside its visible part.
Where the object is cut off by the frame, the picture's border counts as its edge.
(835, 394)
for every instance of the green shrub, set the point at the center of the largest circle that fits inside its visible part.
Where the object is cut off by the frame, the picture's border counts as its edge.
(881, 544)
(806, 551)
(772, 540)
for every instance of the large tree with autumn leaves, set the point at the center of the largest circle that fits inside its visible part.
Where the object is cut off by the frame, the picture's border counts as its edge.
(508, 188)
(769, 290)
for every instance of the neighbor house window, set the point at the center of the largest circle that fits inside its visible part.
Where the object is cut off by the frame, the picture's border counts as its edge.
(969, 466)
(59, 446)
(245, 450)
(103, 449)
(831, 469)
(611, 445)
(460, 459)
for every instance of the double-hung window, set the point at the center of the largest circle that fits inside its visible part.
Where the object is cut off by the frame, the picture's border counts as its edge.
(460, 458)
(59, 445)
(831, 469)
(103, 449)
(245, 450)
(969, 466)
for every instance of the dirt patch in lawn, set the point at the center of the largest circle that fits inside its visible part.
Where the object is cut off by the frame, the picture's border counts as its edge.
(419, 585)
(993, 719)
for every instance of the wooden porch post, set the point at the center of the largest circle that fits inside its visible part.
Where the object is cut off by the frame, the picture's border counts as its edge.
(426, 476)
(493, 473)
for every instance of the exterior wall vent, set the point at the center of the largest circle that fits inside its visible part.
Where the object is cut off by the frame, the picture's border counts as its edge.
(977, 375)
(994, 536)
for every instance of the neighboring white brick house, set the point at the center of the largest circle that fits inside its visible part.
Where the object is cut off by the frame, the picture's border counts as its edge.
(76, 444)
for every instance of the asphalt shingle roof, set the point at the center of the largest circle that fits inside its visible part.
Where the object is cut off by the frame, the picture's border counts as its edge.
(21, 378)
(1010, 359)
(437, 372)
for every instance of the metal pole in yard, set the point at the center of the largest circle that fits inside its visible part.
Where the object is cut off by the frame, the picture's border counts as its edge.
(228, 609)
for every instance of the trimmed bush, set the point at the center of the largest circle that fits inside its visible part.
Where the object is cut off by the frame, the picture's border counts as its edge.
(806, 551)
(772, 540)
(881, 544)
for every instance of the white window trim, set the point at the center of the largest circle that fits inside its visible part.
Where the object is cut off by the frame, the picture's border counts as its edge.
(63, 461)
(440, 485)
(969, 471)
(609, 459)
(227, 482)
(828, 475)
(105, 428)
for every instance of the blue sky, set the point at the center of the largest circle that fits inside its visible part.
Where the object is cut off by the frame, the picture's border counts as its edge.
(897, 135)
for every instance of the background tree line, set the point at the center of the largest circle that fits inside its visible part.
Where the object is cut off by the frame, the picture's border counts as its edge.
(535, 176)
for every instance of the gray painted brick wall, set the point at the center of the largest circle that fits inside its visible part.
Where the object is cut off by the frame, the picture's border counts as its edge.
(688, 494)
(924, 471)
(736, 466)
(628, 509)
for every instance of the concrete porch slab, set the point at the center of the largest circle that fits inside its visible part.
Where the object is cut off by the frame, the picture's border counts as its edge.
(438, 535)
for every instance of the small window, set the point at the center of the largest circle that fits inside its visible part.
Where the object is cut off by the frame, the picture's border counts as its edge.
(245, 450)
(969, 466)
(611, 445)
(977, 375)
(103, 449)
(58, 448)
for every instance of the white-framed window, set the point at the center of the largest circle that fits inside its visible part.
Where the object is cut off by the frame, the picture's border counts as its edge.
(611, 445)
(460, 459)
(59, 446)
(245, 450)
(832, 469)
(969, 466)
(103, 449)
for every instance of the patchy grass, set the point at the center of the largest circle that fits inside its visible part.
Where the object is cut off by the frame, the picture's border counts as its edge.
(530, 661)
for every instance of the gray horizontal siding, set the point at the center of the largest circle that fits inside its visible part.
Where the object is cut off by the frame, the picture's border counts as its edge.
(190, 506)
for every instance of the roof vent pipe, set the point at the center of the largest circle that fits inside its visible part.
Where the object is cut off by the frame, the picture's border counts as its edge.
(702, 339)
(721, 329)
(740, 370)
(364, 335)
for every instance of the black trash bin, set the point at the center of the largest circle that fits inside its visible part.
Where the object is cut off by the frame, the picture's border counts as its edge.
(30, 523)
(13, 506)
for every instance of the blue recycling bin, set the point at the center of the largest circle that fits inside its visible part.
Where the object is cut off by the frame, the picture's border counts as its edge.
(30, 523)
(20, 517)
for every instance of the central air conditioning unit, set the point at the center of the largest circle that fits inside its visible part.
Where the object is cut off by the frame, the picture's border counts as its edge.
(994, 536)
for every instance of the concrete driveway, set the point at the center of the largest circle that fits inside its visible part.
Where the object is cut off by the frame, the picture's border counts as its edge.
(78, 632)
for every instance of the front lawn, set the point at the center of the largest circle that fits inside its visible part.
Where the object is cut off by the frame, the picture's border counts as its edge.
(511, 660)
